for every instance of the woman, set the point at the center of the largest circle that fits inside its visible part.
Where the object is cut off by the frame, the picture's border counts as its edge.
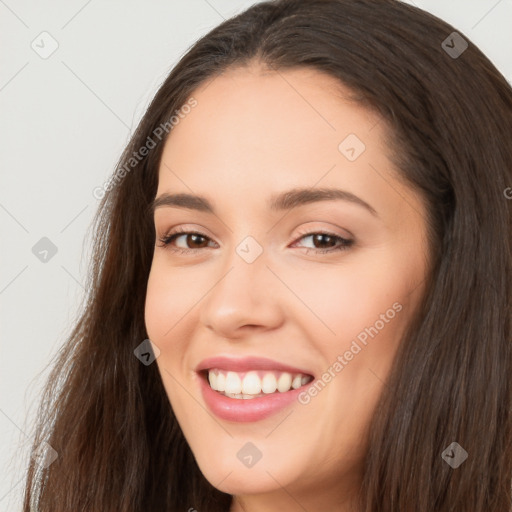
(368, 374)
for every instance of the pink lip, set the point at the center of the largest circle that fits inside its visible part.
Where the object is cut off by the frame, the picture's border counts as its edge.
(246, 364)
(243, 411)
(253, 409)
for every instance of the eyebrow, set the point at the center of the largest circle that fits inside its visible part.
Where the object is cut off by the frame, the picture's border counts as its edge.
(283, 201)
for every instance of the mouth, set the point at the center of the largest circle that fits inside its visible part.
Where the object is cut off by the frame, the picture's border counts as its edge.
(254, 383)
(251, 377)
(250, 389)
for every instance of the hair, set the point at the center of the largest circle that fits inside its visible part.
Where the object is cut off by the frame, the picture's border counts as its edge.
(448, 122)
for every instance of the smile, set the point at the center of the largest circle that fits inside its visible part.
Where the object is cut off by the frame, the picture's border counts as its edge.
(254, 384)
(249, 389)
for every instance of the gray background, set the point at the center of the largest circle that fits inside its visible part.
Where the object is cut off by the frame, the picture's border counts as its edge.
(65, 120)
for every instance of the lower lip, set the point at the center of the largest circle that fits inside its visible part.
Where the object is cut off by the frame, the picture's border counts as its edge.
(246, 410)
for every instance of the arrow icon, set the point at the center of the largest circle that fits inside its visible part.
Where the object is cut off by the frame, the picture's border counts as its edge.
(247, 252)
(454, 455)
(351, 147)
(147, 352)
(249, 455)
(454, 45)
(44, 44)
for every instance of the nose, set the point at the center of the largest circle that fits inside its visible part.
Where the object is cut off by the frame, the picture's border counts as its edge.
(243, 297)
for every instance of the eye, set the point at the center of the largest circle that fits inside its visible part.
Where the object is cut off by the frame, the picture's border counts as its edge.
(330, 239)
(193, 236)
(200, 240)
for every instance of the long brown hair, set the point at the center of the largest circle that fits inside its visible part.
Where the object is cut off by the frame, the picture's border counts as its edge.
(449, 119)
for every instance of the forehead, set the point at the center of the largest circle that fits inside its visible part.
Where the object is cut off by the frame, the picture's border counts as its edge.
(252, 113)
(254, 132)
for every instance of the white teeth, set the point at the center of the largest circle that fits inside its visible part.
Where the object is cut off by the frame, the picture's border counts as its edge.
(221, 381)
(251, 385)
(284, 382)
(269, 383)
(212, 379)
(233, 383)
(297, 382)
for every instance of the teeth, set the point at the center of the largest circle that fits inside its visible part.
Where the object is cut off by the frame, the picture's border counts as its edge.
(284, 382)
(233, 383)
(254, 383)
(212, 379)
(221, 382)
(251, 384)
(297, 382)
(269, 383)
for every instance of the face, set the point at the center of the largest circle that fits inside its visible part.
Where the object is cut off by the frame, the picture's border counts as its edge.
(320, 284)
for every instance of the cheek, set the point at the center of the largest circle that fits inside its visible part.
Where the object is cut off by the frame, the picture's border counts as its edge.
(170, 295)
(367, 309)
(155, 306)
(166, 302)
(348, 298)
(164, 307)
(171, 314)
(360, 312)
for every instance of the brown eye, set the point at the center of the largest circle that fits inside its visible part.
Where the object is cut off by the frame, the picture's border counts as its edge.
(193, 239)
(334, 242)
(322, 238)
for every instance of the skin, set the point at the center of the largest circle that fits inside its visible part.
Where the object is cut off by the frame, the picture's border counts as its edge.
(254, 133)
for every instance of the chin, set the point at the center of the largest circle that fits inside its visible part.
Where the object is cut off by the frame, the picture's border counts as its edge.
(233, 477)
(238, 483)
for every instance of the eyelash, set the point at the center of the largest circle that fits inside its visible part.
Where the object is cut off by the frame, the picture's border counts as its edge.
(167, 239)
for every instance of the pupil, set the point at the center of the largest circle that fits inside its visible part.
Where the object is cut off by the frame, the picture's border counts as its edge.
(320, 236)
(195, 237)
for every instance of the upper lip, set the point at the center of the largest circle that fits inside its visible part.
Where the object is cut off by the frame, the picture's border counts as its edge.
(245, 364)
